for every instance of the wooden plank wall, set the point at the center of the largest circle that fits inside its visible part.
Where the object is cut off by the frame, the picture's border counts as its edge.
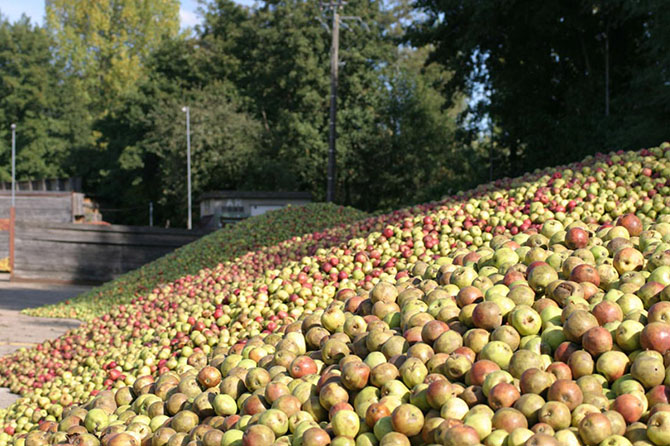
(4, 244)
(54, 207)
(89, 253)
(50, 184)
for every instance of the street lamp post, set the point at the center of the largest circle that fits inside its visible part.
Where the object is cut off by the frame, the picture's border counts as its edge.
(188, 162)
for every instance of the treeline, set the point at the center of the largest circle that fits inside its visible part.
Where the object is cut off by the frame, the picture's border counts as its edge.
(257, 84)
(434, 96)
(562, 78)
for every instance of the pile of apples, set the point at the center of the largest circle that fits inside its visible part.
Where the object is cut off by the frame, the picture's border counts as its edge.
(522, 267)
(326, 221)
(495, 346)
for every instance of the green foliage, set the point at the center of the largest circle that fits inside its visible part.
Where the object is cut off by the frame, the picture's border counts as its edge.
(257, 82)
(103, 48)
(391, 118)
(412, 154)
(106, 42)
(145, 139)
(224, 245)
(35, 96)
(549, 67)
(224, 143)
(98, 95)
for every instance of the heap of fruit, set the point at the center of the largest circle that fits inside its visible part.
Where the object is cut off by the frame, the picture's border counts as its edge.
(528, 311)
(223, 245)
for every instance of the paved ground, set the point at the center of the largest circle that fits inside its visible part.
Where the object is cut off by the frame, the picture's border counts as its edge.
(18, 330)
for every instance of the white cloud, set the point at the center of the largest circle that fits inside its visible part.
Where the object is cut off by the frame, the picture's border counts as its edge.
(188, 18)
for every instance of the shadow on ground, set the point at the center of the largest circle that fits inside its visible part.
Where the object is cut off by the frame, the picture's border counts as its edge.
(18, 330)
(17, 296)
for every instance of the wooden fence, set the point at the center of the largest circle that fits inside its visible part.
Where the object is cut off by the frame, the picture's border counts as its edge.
(89, 253)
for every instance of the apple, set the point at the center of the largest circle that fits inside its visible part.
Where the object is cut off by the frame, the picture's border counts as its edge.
(597, 340)
(224, 405)
(628, 259)
(346, 423)
(556, 414)
(649, 371)
(656, 336)
(595, 428)
(258, 435)
(407, 419)
(629, 406)
(315, 436)
(487, 316)
(658, 429)
(355, 375)
(525, 320)
(498, 352)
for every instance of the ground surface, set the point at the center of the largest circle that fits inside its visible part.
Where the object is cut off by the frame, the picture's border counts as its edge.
(18, 330)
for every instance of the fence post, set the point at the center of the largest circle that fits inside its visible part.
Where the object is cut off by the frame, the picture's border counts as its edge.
(12, 232)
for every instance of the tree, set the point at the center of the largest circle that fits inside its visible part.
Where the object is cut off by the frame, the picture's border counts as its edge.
(106, 42)
(257, 83)
(145, 138)
(224, 143)
(104, 48)
(35, 96)
(415, 156)
(281, 51)
(563, 78)
(648, 116)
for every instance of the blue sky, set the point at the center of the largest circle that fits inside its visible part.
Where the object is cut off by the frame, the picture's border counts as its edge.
(34, 9)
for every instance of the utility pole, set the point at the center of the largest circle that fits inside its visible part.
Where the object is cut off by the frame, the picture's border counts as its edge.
(607, 74)
(13, 127)
(604, 37)
(335, 6)
(332, 137)
(188, 163)
(12, 209)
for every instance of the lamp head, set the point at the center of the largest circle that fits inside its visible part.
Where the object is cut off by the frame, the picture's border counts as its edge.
(184, 109)
(13, 126)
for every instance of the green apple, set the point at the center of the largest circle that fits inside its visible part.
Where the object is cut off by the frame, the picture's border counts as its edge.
(346, 423)
(96, 420)
(627, 335)
(525, 320)
(224, 405)
(658, 428)
(498, 352)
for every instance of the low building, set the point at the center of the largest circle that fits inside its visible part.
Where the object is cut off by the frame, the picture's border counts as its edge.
(223, 207)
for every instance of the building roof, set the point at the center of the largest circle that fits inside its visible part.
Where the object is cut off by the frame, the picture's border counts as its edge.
(256, 194)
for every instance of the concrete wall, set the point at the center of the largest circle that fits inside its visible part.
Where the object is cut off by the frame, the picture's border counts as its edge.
(89, 253)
